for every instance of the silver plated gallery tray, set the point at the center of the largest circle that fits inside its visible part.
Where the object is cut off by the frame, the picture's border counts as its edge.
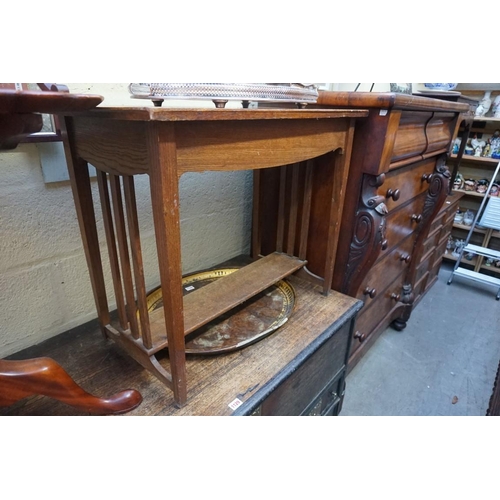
(221, 93)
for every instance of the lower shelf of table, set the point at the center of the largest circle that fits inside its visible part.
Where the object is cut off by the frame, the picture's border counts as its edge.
(219, 297)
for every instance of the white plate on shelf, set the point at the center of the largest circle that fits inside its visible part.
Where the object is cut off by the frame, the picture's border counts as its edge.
(430, 93)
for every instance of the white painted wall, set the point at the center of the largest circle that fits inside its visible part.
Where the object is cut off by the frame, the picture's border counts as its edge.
(44, 283)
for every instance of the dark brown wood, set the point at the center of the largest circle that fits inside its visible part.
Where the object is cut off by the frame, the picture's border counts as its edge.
(19, 116)
(45, 377)
(434, 246)
(281, 210)
(15, 127)
(385, 100)
(396, 186)
(307, 356)
(26, 101)
(494, 405)
(166, 143)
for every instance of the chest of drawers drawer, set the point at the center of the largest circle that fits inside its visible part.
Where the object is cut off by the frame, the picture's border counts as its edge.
(386, 270)
(376, 312)
(402, 222)
(422, 133)
(403, 184)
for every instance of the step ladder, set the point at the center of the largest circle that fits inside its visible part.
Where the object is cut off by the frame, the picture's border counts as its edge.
(490, 218)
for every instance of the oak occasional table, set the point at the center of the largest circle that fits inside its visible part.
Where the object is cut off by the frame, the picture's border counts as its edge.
(122, 143)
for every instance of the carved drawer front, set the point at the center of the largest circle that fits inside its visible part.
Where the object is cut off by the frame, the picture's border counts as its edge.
(440, 250)
(450, 216)
(431, 242)
(434, 270)
(440, 131)
(448, 220)
(386, 270)
(405, 183)
(424, 267)
(374, 314)
(438, 221)
(421, 285)
(310, 381)
(445, 231)
(411, 138)
(404, 221)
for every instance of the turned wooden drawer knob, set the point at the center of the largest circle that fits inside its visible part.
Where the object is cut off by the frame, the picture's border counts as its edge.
(405, 258)
(360, 336)
(416, 218)
(370, 291)
(395, 296)
(427, 177)
(394, 194)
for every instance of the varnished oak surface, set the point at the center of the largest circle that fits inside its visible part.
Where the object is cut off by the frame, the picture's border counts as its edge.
(211, 301)
(213, 381)
(192, 114)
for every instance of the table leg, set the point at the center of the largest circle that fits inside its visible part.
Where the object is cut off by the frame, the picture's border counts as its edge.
(45, 377)
(165, 201)
(82, 194)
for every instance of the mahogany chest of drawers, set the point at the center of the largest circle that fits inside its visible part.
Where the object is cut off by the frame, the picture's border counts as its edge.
(397, 185)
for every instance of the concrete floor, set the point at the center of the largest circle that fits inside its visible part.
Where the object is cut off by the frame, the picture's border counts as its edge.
(450, 349)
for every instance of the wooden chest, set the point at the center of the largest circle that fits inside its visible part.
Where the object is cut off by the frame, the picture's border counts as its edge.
(397, 184)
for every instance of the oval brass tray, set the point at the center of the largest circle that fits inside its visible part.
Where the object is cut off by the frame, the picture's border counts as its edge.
(248, 323)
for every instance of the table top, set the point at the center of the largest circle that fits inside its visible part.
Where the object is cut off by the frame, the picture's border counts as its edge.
(25, 101)
(215, 114)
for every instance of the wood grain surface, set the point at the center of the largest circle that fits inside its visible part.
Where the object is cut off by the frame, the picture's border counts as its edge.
(213, 381)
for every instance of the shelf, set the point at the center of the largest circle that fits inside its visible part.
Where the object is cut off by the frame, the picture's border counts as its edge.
(467, 228)
(491, 268)
(449, 256)
(479, 160)
(487, 119)
(213, 300)
(469, 193)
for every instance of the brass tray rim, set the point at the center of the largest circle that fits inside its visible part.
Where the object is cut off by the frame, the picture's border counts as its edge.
(283, 286)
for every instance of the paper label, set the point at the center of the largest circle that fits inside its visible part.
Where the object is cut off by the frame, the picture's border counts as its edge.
(235, 404)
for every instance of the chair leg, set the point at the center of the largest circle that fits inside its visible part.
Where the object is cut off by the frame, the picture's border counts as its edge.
(45, 377)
